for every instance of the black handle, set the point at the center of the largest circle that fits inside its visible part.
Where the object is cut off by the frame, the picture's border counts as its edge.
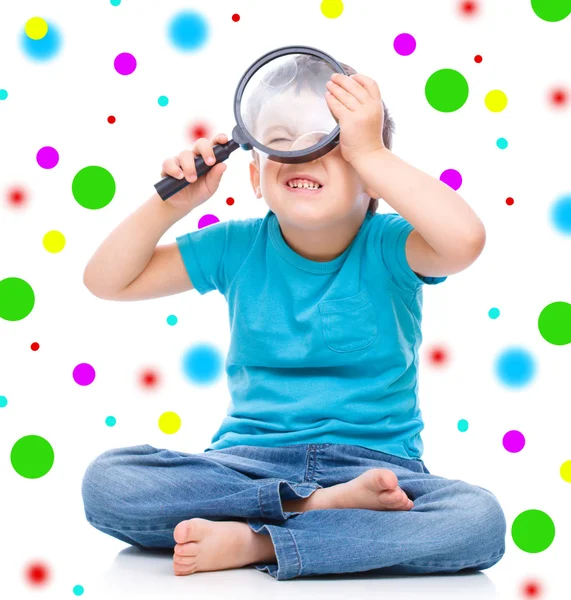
(168, 186)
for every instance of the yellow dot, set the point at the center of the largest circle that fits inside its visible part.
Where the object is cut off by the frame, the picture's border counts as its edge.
(496, 101)
(332, 8)
(36, 28)
(54, 241)
(169, 422)
(566, 471)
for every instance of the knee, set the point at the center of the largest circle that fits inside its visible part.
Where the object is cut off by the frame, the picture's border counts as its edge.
(489, 522)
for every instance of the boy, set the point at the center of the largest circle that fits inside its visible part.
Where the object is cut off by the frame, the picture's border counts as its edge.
(325, 301)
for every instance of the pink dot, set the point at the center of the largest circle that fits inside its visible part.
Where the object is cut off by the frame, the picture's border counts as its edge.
(513, 441)
(206, 220)
(125, 63)
(47, 157)
(404, 44)
(83, 374)
(452, 178)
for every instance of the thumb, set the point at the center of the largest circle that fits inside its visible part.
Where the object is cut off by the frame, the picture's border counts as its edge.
(213, 176)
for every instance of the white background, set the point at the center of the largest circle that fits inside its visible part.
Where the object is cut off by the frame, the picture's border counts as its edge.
(65, 102)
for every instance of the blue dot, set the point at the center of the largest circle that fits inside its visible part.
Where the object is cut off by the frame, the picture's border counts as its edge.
(115, 2)
(172, 320)
(502, 143)
(188, 30)
(561, 214)
(515, 367)
(45, 48)
(494, 313)
(110, 421)
(3, 401)
(3, 94)
(163, 100)
(202, 364)
(78, 589)
(463, 425)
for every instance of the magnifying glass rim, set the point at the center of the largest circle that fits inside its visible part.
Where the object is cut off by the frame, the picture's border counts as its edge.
(258, 64)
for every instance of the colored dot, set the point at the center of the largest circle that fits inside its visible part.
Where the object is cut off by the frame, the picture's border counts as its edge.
(331, 8)
(452, 178)
(17, 196)
(404, 44)
(47, 157)
(36, 28)
(32, 456)
(78, 589)
(229, 201)
(509, 201)
(561, 214)
(149, 378)
(531, 589)
(16, 299)
(554, 323)
(496, 101)
(163, 100)
(551, 10)
(468, 8)
(113, 3)
(35, 346)
(437, 356)
(515, 367)
(235, 17)
(37, 574)
(558, 97)
(446, 90)
(202, 364)
(43, 49)
(3, 401)
(494, 313)
(478, 58)
(54, 241)
(188, 31)
(206, 220)
(83, 374)
(533, 531)
(513, 441)
(110, 421)
(198, 130)
(565, 471)
(111, 119)
(169, 422)
(3, 94)
(125, 63)
(502, 143)
(172, 320)
(463, 425)
(93, 187)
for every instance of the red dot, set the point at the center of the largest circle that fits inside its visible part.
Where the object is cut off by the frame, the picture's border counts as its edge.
(149, 378)
(437, 355)
(531, 589)
(37, 574)
(468, 8)
(16, 196)
(509, 201)
(229, 201)
(559, 97)
(235, 17)
(111, 119)
(478, 58)
(198, 130)
(35, 346)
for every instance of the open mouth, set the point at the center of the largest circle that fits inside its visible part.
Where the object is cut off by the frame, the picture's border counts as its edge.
(303, 187)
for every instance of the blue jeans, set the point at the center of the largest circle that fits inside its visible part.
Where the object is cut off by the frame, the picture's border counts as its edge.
(139, 494)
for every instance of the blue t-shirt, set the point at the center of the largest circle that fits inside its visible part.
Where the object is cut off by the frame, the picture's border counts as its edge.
(320, 352)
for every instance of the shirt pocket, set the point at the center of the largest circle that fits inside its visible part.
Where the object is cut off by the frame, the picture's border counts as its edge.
(349, 324)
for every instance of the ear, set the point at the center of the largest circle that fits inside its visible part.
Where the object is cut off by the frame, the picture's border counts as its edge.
(255, 177)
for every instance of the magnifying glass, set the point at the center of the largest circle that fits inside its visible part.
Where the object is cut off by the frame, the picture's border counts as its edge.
(280, 110)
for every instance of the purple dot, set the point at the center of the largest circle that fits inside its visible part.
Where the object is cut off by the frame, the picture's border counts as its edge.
(206, 220)
(404, 44)
(513, 441)
(125, 63)
(83, 374)
(47, 157)
(452, 178)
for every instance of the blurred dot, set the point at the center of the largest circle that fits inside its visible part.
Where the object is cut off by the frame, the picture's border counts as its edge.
(16, 196)
(509, 201)
(54, 241)
(229, 201)
(93, 187)
(37, 574)
(515, 367)
(555, 323)
(113, 3)
(446, 90)
(110, 421)
(478, 58)
(502, 143)
(32, 456)
(437, 355)
(494, 313)
(452, 178)
(47, 157)
(551, 10)
(331, 8)
(513, 441)
(404, 44)
(83, 374)
(111, 119)
(43, 49)
(463, 425)
(169, 422)
(17, 299)
(531, 589)
(3, 94)
(199, 130)
(36, 28)
(235, 17)
(125, 63)
(533, 531)
(149, 378)
(78, 589)
(558, 97)
(188, 30)
(206, 220)
(565, 471)
(468, 8)
(561, 214)
(35, 346)
(3, 401)
(172, 320)
(163, 100)
(202, 364)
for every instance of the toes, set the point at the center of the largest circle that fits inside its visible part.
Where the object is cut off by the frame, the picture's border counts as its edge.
(185, 560)
(188, 549)
(180, 532)
(190, 530)
(386, 479)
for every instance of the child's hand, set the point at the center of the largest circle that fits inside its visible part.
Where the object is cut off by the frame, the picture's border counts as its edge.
(356, 103)
(180, 166)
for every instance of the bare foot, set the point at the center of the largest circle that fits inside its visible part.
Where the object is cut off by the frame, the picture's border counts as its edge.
(376, 489)
(203, 545)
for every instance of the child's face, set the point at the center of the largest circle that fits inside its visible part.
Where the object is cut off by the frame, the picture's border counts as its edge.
(342, 195)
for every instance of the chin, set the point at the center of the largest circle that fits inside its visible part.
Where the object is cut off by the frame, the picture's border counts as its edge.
(310, 215)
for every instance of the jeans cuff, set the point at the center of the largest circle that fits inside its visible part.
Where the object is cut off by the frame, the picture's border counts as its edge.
(270, 496)
(287, 554)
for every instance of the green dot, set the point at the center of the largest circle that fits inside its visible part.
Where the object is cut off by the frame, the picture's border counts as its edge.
(32, 456)
(494, 313)
(16, 299)
(551, 10)
(163, 100)
(93, 187)
(554, 323)
(446, 90)
(463, 425)
(533, 531)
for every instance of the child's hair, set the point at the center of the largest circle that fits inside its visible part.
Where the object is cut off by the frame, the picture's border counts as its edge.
(314, 73)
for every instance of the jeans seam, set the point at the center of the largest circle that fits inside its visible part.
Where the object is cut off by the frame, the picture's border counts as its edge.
(300, 570)
(448, 564)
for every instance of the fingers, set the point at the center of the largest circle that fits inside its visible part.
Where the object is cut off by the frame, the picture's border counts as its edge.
(171, 166)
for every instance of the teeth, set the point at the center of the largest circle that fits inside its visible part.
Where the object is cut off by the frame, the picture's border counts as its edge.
(303, 184)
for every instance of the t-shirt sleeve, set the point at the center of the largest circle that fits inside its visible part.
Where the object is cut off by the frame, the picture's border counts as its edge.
(213, 255)
(394, 233)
